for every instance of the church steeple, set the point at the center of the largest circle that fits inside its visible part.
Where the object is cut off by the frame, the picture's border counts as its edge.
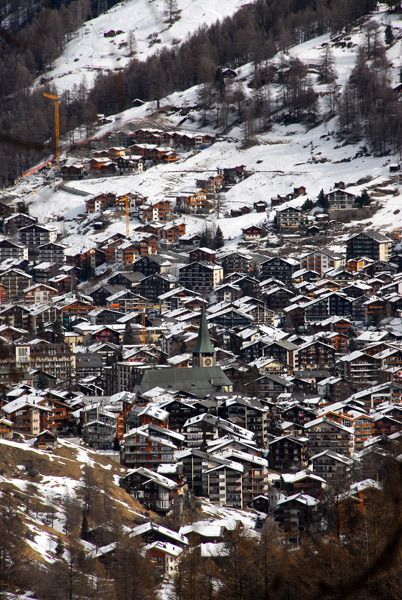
(203, 352)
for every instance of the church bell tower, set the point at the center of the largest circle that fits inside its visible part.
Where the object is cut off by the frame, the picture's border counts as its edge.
(203, 352)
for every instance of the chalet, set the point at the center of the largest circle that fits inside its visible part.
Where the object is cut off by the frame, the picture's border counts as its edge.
(18, 221)
(46, 440)
(284, 351)
(151, 264)
(232, 175)
(200, 276)
(159, 154)
(230, 317)
(153, 286)
(156, 210)
(52, 252)
(303, 482)
(100, 202)
(193, 200)
(237, 263)
(9, 249)
(281, 269)
(15, 281)
(142, 149)
(358, 367)
(72, 169)
(297, 516)
(6, 429)
(102, 166)
(340, 200)
(370, 244)
(36, 235)
(212, 185)
(271, 385)
(316, 355)
(225, 484)
(164, 557)
(331, 466)
(126, 279)
(287, 452)
(228, 293)
(104, 316)
(205, 427)
(249, 413)
(126, 253)
(329, 304)
(202, 254)
(386, 425)
(277, 298)
(260, 206)
(39, 293)
(253, 232)
(321, 261)
(153, 532)
(325, 434)
(172, 232)
(130, 164)
(148, 136)
(289, 218)
(151, 489)
(26, 413)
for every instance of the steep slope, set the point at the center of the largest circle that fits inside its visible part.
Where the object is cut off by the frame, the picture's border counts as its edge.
(284, 157)
(48, 490)
(89, 52)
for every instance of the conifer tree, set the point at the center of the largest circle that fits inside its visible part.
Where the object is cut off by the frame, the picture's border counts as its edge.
(219, 240)
(322, 200)
(389, 36)
(59, 547)
(84, 526)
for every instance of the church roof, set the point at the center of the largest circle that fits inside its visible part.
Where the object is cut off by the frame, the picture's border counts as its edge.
(203, 344)
(201, 381)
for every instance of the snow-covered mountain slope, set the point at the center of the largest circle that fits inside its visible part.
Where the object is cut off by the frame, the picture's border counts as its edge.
(89, 52)
(45, 487)
(285, 157)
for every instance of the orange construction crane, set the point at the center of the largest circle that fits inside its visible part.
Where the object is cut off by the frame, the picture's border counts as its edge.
(126, 199)
(57, 125)
(143, 319)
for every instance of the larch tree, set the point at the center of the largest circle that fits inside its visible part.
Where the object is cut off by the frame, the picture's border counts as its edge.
(171, 10)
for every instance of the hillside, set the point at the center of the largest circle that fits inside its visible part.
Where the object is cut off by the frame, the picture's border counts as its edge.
(89, 53)
(46, 490)
(285, 156)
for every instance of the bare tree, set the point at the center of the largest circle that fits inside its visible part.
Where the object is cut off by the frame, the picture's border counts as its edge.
(326, 67)
(171, 10)
(131, 43)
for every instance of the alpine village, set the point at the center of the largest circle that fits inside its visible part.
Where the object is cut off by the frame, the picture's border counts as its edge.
(200, 300)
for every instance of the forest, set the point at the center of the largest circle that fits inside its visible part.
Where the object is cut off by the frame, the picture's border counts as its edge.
(255, 33)
(349, 549)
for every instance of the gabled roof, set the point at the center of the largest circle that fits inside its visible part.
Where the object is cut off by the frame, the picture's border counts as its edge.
(155, 477)
(331, 454)
(150, 526)
(375, 235)
(303, 499)
(329, 422)
(164, 547)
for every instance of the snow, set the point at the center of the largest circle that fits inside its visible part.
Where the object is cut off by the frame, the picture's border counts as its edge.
(283, 158)
(43, 543)
(90, 53)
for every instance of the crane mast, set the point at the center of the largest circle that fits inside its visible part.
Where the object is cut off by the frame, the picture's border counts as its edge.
(57, 125)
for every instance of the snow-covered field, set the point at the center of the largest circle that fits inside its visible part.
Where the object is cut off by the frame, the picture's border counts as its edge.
(89, 52)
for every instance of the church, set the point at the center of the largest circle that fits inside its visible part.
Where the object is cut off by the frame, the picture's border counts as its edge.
(202, 379)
